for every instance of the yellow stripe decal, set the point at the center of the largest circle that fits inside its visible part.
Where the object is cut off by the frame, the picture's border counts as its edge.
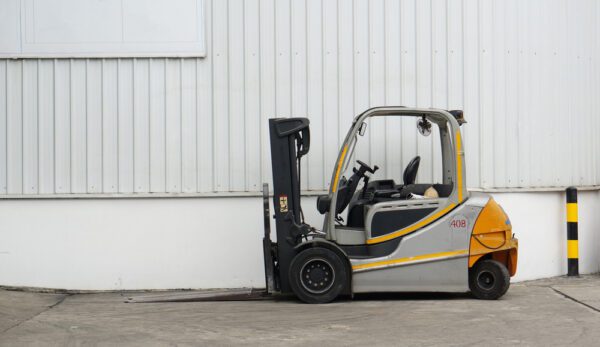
(413, 227)
(339, 168)
(416, 258)
(572, 249)
(572, 212)
(459, 169)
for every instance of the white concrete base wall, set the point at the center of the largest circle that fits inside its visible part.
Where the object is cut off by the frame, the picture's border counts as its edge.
(114, 244)
(539, 222)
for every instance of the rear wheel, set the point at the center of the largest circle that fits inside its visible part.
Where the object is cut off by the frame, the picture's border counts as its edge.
(489, 279)
(317, 275)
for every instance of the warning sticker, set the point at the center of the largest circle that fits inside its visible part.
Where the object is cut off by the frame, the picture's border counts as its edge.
(283, 203)
(459, 223)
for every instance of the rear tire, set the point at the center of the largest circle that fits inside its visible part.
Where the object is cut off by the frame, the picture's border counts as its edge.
(489, 279)
(317, 275)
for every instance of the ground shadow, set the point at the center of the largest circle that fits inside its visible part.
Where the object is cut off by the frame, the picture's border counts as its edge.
(387, 296)
(412, 296)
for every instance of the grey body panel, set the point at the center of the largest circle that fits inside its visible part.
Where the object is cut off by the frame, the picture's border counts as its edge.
(424, 277)
(435, 273)
(350, 236)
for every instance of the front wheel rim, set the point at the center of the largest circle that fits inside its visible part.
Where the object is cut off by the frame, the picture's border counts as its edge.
(317, 276)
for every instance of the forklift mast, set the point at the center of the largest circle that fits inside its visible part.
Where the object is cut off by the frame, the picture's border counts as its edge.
(290, 140)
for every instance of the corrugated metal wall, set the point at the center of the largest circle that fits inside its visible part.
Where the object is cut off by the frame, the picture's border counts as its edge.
(527, 74)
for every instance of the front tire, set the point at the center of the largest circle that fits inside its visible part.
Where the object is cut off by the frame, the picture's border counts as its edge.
(489, 279)
(317, 275)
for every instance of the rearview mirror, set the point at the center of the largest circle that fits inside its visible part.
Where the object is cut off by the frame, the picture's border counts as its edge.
(424, 126)
(362, 129)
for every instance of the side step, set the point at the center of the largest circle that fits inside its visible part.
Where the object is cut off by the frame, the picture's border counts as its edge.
(243, 294)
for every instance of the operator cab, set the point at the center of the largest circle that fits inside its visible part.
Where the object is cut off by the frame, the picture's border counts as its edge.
(373, 203)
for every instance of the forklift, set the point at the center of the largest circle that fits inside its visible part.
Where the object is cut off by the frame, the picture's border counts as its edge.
(396, 236)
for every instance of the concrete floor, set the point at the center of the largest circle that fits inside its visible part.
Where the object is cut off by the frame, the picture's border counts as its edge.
(557, 311)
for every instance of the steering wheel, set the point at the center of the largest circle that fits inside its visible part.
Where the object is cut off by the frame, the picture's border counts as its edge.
(366, 167)
(410, 173)
(347, 188)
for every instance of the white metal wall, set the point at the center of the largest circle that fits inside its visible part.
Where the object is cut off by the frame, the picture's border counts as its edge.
(527, 74)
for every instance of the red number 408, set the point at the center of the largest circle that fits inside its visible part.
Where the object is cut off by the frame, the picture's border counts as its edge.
(461, 223)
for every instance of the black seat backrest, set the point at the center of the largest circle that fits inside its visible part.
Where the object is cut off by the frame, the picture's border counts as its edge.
(410, 173)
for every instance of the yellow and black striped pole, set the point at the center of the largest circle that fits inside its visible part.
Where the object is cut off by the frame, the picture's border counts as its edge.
(572, 231)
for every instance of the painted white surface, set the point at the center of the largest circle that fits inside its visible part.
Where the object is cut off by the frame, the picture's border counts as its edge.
(528, 86)
(539, 222)
(131, 243)
(102, 28)
(112, 244)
